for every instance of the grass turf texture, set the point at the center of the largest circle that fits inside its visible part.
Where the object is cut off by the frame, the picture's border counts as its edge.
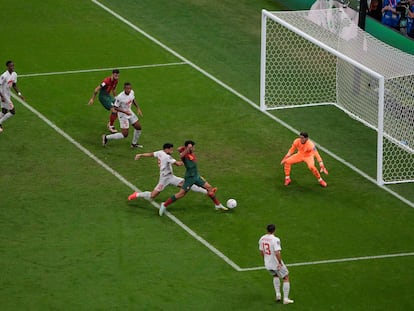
(71, 241)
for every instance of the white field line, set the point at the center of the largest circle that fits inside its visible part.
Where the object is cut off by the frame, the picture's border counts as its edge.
(175, 219)
(171, 216)
(97, 70)
(320, 262)
(131, 186)
(251, 103)
(126, 182)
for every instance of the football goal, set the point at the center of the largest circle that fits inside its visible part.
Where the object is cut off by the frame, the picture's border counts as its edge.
(321, 57)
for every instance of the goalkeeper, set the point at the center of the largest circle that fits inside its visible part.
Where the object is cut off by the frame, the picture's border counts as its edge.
(306, 151)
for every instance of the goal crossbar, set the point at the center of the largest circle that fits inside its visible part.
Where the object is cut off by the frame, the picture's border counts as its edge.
(324, 53)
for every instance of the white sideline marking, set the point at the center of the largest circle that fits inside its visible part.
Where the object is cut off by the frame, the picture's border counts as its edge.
(97, 69)
(125, 181)
(251, 103)
(167, 213)
(175, 219)
(336, 261)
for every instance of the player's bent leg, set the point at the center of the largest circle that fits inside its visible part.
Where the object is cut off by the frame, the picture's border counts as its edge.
(287, 166)
(125, 132)
(315, 172)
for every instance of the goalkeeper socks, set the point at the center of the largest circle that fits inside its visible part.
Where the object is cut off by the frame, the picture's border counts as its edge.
(315, 172)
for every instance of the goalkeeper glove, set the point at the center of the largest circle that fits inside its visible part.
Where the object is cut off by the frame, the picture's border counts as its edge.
(285, 158)
(323, 168)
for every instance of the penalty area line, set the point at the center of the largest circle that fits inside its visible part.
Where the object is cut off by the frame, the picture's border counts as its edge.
(321, 262)
(247, 100)
(98, 70)
(126, 182)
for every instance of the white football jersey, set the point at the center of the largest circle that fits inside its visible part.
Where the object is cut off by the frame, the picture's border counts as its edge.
(269, 245)
(165, 162)
(7, 80)
(124, 101)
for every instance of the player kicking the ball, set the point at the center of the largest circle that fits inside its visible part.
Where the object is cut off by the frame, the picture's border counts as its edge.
(167, 177)
(126, 116)
(192, 177)
(306, 151)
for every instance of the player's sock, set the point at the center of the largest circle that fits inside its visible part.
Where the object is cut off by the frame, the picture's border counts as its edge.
(5, 117)
(170, 200)
(215, 200)
(287, 168)
(114, 136)
(276, 284)
(112, 118)
(286, 289)
(196, 188)
(144, 194)
(137, 134)
(315, 172)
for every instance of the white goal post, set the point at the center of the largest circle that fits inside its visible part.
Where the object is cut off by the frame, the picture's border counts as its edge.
(321, 57)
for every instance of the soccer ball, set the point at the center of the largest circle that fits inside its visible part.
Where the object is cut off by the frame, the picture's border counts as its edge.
(231, 203)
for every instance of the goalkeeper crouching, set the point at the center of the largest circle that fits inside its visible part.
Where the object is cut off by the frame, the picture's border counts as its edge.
(306, 152)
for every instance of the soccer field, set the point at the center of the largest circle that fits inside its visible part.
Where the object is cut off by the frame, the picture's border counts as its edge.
(72, 241)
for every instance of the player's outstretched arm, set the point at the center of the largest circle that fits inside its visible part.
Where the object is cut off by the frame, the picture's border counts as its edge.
(95, 91)
(146, 154)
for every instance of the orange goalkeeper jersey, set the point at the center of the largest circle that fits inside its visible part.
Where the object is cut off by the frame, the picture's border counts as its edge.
(307, 149)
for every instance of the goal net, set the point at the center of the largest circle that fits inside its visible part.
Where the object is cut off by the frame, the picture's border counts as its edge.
(321, 57)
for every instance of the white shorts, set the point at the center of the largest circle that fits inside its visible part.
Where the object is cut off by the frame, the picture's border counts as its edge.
(7, 104)
(125, 120)
(281, 273)
(168, 180)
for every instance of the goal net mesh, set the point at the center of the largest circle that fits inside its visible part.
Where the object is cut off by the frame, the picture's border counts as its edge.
(321, 57)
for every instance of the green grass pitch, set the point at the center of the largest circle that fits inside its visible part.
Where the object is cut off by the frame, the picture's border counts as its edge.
(71, 241)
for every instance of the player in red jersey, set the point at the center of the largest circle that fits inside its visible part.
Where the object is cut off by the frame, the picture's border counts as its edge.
(192, 177)
(107, 93)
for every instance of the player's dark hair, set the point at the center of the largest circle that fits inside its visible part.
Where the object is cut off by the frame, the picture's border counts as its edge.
(189, 142)
(8, 63)
(304, 134)
(126, 84)
(167, 146)
(271, 228)
(115, 71)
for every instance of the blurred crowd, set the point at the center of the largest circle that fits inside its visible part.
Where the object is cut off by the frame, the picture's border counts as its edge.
(398, 14)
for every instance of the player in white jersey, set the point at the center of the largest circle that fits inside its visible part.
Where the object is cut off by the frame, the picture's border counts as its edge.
(8, 80)
(269, 246)
(167, 177)
(126, 116)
